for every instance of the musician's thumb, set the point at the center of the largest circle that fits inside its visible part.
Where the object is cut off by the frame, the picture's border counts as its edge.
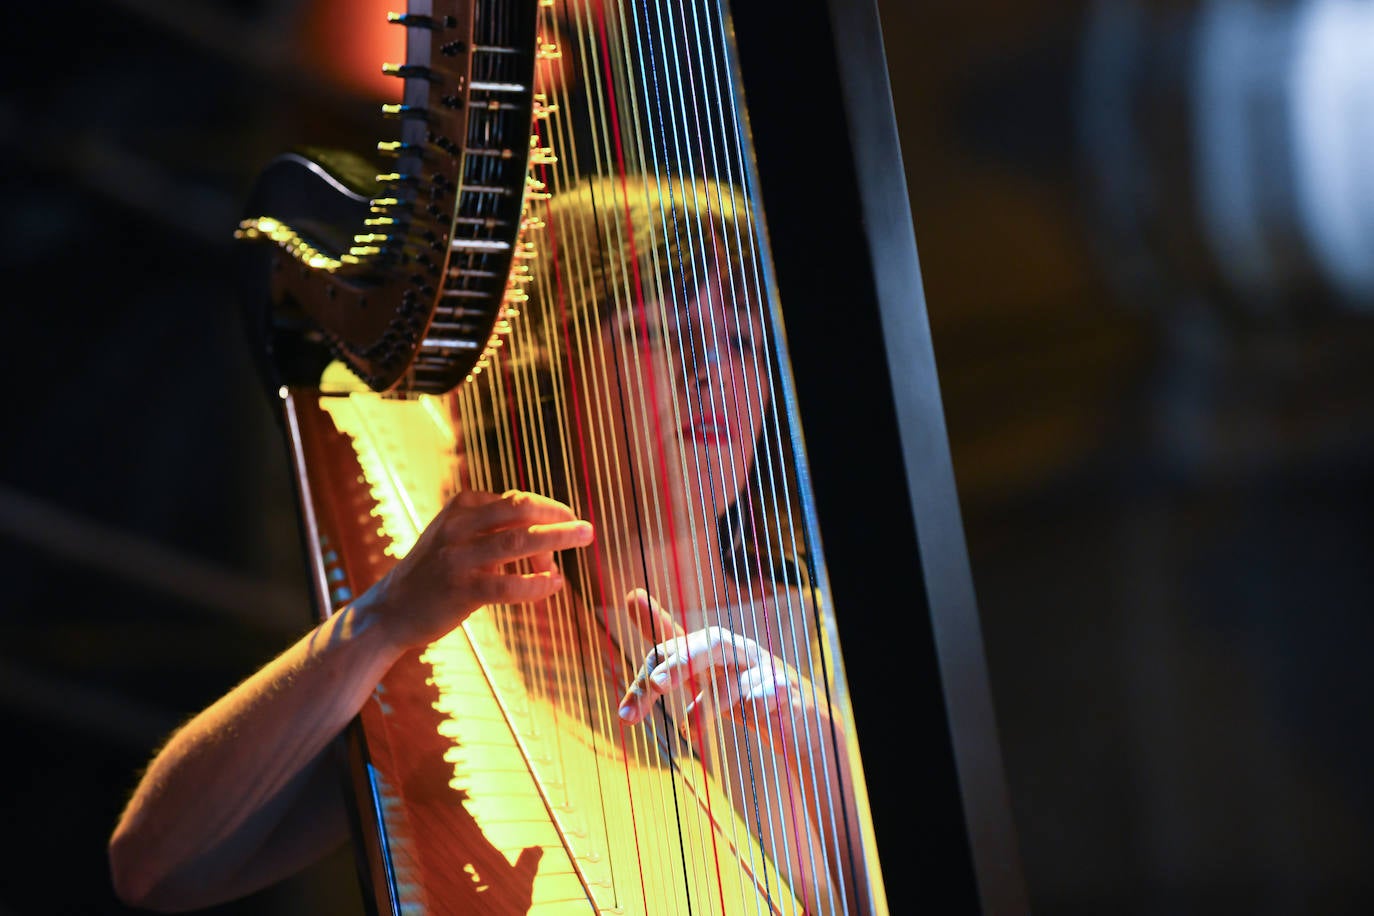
(654, 622)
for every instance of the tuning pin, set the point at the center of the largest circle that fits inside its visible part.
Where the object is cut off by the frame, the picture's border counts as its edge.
(395, 110)
(396, 178)
(409, 71)
(397, 148)
(418, 21)
(543, 107)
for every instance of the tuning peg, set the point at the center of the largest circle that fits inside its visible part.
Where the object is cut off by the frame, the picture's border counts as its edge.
(398, 148)
(396, 178)
(419, 21)
(409, 71)
(405, 111)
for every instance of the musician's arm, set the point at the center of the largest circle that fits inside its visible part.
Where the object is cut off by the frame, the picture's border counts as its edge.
(243, 795)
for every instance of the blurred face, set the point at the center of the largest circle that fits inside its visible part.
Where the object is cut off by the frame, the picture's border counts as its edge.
(675, 400)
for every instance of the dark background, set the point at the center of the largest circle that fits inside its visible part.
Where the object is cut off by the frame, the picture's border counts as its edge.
(1164, 470)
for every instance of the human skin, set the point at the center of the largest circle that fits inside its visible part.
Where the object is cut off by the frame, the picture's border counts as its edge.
(675, 408)
(244, 794)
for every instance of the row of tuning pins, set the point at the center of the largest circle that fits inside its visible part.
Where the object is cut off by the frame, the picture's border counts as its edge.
(389, 220)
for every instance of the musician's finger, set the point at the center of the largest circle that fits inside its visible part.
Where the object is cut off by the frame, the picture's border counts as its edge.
(636, 702)
(642, 692)
(513, 588)
(700, 651)
(653, 621)
(521, 542)
(701, 711)
(517, 508)
(766, 700)
(672, 670)
(471, 499)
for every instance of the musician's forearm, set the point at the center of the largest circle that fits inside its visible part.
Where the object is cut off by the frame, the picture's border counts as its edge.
(223, 783)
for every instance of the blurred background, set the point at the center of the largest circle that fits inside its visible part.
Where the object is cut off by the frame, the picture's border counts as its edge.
(1147, 239)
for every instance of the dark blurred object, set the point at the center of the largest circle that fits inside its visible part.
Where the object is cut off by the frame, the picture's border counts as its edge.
(1226, 156)
(151, 556)
(1168, 207)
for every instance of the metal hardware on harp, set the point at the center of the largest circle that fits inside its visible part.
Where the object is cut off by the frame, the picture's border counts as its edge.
(561, 283)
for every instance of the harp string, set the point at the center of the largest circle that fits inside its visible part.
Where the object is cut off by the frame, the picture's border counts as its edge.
(728, 404)
(705, 248)
(635, 285)
(631, 360)
(780, 535)
(714, 485)
(648, 154)
(553, 233)
(693, 346)
(778, 600)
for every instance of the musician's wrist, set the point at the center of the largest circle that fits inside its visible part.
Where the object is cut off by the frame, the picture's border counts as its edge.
(370, 622)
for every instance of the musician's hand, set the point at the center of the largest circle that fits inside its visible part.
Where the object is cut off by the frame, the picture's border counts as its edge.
(481, 548)
(745, 683)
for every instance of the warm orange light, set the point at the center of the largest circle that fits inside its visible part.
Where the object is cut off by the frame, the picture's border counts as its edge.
(527, 772)
(348, 42)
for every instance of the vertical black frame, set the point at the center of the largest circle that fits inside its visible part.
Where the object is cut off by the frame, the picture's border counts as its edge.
(834, 195)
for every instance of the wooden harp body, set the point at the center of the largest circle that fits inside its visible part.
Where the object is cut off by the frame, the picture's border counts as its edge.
(654, 260)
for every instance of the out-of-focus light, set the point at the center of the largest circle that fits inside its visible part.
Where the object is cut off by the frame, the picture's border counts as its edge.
(1332, 88)
(1284, 137)
(349, 42)
(1230, 145)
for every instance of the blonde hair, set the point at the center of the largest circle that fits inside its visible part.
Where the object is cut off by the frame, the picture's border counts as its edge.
(618, 241)
(605, 246)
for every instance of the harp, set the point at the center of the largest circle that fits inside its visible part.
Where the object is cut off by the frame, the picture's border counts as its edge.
(608, 244)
